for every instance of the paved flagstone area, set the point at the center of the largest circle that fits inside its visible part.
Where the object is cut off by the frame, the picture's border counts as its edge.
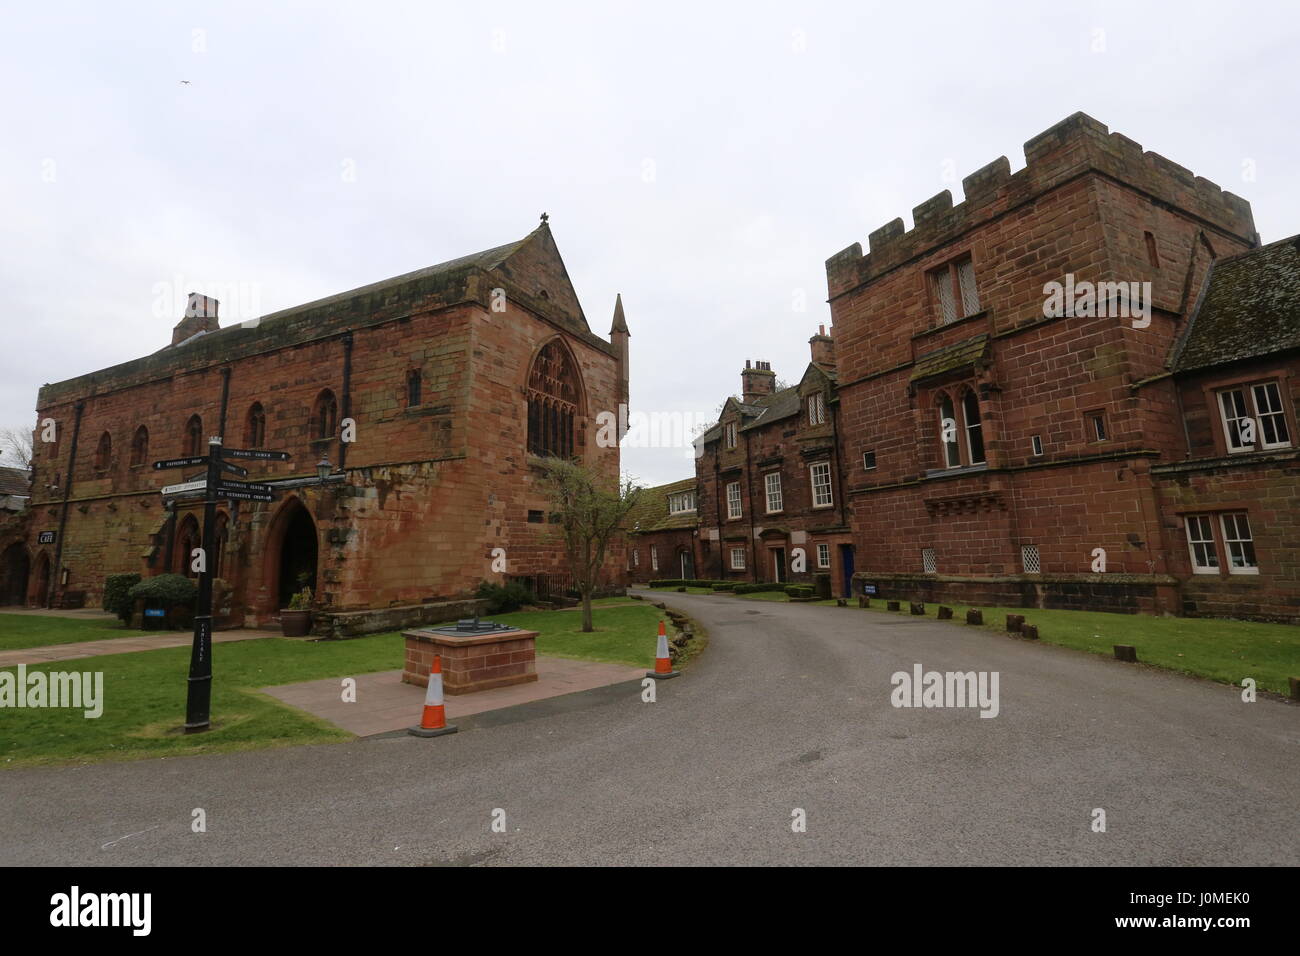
(121, 645)
(383, 703)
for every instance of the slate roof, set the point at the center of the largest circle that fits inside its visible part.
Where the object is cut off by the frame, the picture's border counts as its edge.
(15, 481)
(950, 357)
(1250, 308)
(651, 510)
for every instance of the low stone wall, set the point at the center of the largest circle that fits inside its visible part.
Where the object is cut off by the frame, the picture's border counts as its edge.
(472, 662)
(1118, 593)
(345, 624)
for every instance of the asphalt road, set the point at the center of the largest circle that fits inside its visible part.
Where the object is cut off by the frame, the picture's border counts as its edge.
(789, 708)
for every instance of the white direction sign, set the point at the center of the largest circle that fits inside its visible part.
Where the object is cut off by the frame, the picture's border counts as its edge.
(184, 486)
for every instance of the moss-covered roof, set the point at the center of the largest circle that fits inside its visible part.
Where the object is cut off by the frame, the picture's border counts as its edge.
(950, 357)
(1251, 308)
(651, 510)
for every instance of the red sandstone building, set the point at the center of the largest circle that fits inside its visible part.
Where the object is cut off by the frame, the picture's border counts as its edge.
(459, 378)
(999, 443)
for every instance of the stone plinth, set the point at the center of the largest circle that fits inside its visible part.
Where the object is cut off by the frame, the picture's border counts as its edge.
(471, 662)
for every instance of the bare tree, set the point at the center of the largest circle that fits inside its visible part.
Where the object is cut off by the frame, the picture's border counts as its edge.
(15, 447)
(588, 516)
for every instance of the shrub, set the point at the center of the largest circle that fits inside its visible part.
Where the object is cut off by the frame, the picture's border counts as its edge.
(724, 586)
(800, 590)
(117, 596)
(760, 586)
(501, 598)
(301, 601)
(165, 591)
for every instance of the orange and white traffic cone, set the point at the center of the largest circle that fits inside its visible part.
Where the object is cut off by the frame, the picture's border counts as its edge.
(434, 721)
(663, 663)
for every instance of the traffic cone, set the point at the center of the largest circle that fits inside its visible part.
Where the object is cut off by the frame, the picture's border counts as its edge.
(663, 663)
(434, 721)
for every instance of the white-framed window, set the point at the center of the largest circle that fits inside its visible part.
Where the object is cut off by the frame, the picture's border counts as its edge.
(1253, 417)
(821, 484)
(929, 564)
(772, 483)
(654, 558)
(1200, 544)
(729, 434)
(733, 500)
(817, 409)
(1037, 443)
(823, 555)
(1029, 559)
(1238, 543)
(737, 559)
(681, 502)
(868, 460)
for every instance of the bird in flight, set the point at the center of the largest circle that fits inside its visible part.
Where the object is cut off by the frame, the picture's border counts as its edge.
(185, 82)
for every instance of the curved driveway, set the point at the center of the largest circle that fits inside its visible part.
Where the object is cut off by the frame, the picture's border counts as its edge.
(789, 708)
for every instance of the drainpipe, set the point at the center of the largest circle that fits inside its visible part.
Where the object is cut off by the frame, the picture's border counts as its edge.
(347, 395)
(56, 572)
(225, 400)
(749, 480)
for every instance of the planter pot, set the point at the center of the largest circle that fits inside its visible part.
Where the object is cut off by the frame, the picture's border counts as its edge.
(295, 623)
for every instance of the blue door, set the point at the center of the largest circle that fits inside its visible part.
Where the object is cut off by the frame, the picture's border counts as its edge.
(846, 566)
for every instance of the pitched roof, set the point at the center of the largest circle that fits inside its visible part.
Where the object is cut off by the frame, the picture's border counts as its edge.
(651, 510)
(15, 481)
(1250, 308)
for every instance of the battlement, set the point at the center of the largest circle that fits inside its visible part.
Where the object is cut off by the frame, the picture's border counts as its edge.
(1075, 145)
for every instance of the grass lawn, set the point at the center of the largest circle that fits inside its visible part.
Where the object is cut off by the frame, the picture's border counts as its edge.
(144, 692)
(1221, 650)
(31, 630)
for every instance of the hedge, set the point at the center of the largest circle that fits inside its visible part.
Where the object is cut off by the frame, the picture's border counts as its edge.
(800, 590)
(761, 586)
(165, 591)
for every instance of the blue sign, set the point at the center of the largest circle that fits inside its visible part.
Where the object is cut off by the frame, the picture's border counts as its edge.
(154, 612)
(868, 589)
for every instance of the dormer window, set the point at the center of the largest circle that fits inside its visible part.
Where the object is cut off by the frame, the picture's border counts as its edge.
(682, 502)
(817, 409)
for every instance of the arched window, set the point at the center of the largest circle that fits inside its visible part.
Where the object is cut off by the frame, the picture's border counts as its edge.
(970, 407)
(325, 416)
(194, 436)
(188, 537)
(553, 396)
(104, 452)
(948, 428)
(255, 427)
(140, 446)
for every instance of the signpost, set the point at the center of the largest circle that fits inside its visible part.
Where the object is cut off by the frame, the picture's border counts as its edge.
(198, 700)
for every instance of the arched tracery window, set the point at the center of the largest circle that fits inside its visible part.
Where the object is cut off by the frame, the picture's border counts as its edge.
(255, 427)
(553, 395)
(325, 416)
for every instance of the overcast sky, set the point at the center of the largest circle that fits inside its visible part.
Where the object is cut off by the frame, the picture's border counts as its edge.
(702, 159)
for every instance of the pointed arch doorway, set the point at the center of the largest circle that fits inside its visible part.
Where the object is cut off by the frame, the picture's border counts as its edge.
(14, 570)
(292, 554)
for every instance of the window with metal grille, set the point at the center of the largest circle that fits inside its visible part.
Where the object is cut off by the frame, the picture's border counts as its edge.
(1238, 543)
(1200, 544)
(823, 555)
(772, 483)
(953, 288)
(738, 559)
(1029, 559)
(733, 500)
(821, 484)
(817, 409)
(928, 563)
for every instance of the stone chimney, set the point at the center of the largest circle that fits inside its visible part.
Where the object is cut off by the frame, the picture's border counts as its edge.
(823, 348)
(757, 380)
(200, 316)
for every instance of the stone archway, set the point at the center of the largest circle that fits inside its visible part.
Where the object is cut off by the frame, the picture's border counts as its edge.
(291, 554)
(15, 568)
